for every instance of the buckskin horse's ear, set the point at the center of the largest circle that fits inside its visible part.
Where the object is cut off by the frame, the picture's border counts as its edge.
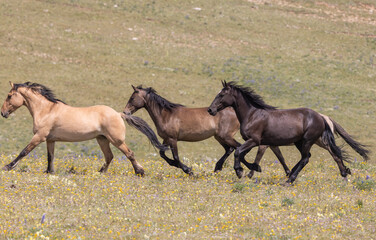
(11, 84)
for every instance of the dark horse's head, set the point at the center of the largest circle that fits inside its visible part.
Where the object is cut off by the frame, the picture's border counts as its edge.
(227, 97)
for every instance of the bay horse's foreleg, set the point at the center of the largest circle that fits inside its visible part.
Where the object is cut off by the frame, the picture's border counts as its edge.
(130, 155)
(35, 141)
(229, 144)
(221, 161)
(105, 147)
(174, 149)
(170, 161)
(240, 152)
(50, 157)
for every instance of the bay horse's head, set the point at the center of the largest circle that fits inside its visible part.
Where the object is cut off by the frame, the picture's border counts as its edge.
(224, 98)
(13, 101)
(136, 101)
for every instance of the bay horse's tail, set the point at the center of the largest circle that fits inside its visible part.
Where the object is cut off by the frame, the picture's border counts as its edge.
(357, 146)
(143, 127)
(333, 127)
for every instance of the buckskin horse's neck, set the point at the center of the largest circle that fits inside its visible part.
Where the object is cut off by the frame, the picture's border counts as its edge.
(37, 105)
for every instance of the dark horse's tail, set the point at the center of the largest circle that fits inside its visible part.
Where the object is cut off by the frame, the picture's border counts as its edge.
(328, 137)
(357, 146)
(143, 127)
(329, 140)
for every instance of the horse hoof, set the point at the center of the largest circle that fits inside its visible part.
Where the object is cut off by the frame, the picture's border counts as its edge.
(140, 172)
(348, 171)
(250, 174)
(239, 173)
(256, 167)
(287, 184)
(6, 168)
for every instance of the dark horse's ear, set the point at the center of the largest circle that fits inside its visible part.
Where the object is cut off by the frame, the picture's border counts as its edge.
(224, 83)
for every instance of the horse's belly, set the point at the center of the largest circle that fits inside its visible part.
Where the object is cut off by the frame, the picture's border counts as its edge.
(72, 136)
(195, 136)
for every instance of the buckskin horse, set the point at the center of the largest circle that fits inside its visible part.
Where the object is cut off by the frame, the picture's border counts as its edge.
(175, 122)
(262, 124)
(53, 121)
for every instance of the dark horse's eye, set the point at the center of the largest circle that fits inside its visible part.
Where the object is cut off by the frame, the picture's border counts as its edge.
(9, 96)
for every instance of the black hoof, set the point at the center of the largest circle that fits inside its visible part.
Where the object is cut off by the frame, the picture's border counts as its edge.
(239, 173)
(287, 184)
(140, 172)
(348, 171)
(7, 168)
(250, 174)
(256, 167)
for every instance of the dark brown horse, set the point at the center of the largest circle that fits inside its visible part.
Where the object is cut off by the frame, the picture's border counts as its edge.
(262, 124)
(174, 123)
(53, 121)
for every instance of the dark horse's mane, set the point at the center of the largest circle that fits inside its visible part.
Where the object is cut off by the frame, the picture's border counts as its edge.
(251, 96)
(162, 102)
(41, 89)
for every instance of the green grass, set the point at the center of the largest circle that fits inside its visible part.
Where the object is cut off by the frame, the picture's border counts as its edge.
(313, 54)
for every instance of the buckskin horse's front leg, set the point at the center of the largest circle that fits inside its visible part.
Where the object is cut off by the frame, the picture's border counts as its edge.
(35, 141)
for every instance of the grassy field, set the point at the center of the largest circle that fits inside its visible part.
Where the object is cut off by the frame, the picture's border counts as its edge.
(320, 55)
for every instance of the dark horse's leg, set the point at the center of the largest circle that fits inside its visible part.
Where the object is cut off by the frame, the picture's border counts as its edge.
(240, 152)
(342, 168)
(35, 141)
(304, 148)
(276, 151)
(176, 162)
(50, 157)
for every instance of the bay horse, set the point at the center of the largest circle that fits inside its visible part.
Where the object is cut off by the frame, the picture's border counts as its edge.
(262, 124)
(175, 122)
(53, 121)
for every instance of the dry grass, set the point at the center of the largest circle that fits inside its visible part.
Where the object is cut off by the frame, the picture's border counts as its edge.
(294, 53)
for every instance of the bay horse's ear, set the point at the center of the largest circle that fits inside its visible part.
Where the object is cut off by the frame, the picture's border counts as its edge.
(134, 88)
(11, 84)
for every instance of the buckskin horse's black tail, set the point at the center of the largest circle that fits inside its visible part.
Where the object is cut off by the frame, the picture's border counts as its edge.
(143, 127)
(357, 146)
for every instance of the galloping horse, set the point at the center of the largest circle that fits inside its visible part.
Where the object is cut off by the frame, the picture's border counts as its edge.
(54, 121)
(174, 123)
(262, 124)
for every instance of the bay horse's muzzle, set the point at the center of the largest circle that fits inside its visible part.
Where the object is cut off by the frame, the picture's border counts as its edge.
(212, 112)
(5, 115)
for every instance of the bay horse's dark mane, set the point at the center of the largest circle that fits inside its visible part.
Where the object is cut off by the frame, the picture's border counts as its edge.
(162, 102)
(41, 89)
(251, 97)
